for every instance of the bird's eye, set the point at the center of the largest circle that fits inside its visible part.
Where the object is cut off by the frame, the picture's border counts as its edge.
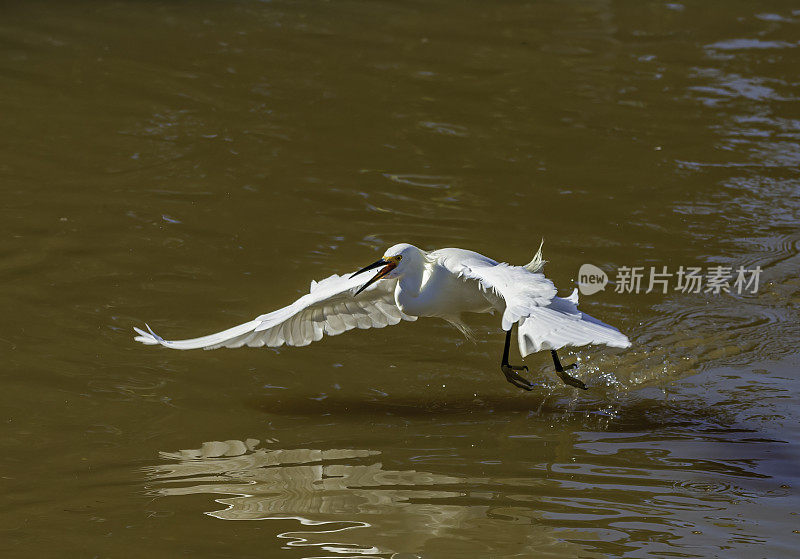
(399, 258)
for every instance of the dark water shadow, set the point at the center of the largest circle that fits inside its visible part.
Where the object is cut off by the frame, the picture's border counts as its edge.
(631, 414)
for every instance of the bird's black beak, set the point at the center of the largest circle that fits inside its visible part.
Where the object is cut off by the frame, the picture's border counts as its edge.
(372, 266)
(389, 266)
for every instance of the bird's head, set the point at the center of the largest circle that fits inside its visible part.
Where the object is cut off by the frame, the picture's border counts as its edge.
(395, 262)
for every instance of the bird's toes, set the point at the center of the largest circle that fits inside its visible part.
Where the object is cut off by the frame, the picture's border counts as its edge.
(579, 384)
(572, 381)
(525, 384)
(513, 377)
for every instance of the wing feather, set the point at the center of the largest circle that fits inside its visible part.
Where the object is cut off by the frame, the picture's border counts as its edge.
(529, 299)
(328, 309)
(561, 324)
(519, 289)
(334, 324)
(349, 321)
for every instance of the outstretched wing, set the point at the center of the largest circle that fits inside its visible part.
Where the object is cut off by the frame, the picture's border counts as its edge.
(545, 321)
(519, 290)
(561, 324)
(329, 308)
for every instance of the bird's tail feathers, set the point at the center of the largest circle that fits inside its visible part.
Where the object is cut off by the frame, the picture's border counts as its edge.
(538, 262)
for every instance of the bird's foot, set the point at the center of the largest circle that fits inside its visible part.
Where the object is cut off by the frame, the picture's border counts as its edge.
(572, 381)
(510, 371)
(569, 379)
(561, 371)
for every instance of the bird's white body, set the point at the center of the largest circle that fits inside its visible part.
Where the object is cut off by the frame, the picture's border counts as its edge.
(444, 283)
(433, 290)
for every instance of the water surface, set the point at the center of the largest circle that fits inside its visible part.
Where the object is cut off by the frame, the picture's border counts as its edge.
(195, 165)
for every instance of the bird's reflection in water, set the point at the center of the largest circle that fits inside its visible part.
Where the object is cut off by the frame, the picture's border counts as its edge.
(351, 505)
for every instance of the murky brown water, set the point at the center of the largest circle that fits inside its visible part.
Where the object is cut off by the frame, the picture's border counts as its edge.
(197, 164)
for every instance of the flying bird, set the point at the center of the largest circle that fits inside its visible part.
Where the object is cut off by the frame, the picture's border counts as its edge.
(408, 283)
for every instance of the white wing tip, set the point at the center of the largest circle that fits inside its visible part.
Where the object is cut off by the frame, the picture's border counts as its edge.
(624, 344)
(149, 337)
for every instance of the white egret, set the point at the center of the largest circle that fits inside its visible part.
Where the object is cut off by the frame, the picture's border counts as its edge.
(409, 283)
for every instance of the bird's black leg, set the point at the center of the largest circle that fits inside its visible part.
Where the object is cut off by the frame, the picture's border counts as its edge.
(510, 371)
(562, 372)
